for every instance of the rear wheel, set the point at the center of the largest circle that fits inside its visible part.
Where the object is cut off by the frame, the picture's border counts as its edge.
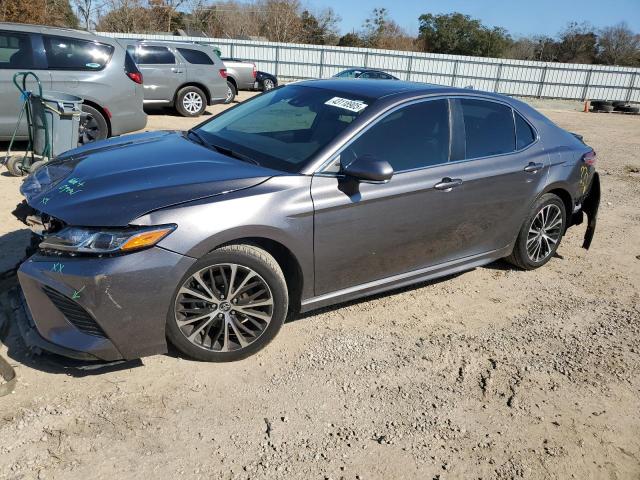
(14, 165)
(93, 125)
(540, 234)
(191, 102)
(229, 305)
(267, 85)
(231, 93)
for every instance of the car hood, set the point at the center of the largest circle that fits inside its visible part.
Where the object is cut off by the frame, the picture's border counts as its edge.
(113, 182)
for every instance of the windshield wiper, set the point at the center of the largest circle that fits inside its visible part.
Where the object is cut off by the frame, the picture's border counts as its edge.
(232, 153)
(225, 151)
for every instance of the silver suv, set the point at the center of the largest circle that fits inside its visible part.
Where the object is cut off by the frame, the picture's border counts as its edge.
(184, 75)
(95, 68)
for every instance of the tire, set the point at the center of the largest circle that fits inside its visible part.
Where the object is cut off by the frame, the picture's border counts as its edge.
(93, 125)
(606, 109)
(267, 85)
(191, 101)
(521, 256)
(231, 93)
(617, 104)
(209, 335)
(620, 108)
(13, 166)
(630, 109)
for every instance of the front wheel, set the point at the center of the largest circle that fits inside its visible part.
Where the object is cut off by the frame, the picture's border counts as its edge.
(191, 102)
(229, 305)
(268, 85)
(540, 234)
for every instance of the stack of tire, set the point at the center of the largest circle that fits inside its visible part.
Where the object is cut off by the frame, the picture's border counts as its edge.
(606, 106)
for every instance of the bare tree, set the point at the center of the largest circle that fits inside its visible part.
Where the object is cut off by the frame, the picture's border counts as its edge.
(87, 10)
(280, 20)
(618, 45)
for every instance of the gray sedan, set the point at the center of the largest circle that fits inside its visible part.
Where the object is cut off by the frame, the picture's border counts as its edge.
(305, 196)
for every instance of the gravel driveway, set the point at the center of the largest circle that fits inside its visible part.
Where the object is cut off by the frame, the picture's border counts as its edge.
(495, 373)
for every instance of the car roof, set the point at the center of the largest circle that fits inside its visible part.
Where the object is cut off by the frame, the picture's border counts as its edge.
(378, 88)
(62, 31)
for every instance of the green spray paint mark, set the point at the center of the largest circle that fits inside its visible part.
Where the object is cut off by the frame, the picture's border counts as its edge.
(57, 267)
(71, 186)
(44, 200)
(76, 294)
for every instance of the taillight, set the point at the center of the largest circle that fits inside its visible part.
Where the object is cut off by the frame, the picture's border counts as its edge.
(135, 76)
(223, 72)
(589, 158)
(255, 71)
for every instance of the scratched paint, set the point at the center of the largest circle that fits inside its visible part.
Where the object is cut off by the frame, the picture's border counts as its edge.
(57, 267)
(76, 293)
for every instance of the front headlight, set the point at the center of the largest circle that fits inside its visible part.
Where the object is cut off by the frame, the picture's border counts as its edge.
(105, 241)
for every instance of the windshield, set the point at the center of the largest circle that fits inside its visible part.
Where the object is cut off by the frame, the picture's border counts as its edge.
(284, 128)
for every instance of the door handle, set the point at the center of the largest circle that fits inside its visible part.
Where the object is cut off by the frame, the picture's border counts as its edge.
(176, 70)
(533, 167)
(447, 184)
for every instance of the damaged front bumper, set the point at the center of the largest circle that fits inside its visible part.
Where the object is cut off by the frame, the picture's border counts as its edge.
(108, 308)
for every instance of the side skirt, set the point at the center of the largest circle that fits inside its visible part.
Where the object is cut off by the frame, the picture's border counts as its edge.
(404, 279)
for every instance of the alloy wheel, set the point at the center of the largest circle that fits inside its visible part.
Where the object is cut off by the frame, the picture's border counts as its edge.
(224, 307)
(544, 233)
(268, 85)
(89, 129)
(192, 102)
(229, 94)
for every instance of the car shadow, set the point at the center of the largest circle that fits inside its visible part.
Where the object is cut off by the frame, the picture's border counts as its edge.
(170, 112)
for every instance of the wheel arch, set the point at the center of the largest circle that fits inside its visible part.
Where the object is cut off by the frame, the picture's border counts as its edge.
(233, 80)
(562, 191)
(102, 111)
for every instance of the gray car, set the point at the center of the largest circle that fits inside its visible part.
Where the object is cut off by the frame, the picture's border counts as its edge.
(308, 195)
(94, 68)
(183, 75)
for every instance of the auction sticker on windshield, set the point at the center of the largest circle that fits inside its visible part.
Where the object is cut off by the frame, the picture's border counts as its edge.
(351, 105)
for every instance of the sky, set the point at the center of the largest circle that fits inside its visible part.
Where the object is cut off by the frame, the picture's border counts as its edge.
(519, 17)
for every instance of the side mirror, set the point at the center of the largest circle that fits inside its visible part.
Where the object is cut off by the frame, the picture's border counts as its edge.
(369, 169)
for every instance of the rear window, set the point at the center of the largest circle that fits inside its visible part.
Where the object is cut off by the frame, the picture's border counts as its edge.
(489, 128)
(195, 56)
(524, 133)
(152, 55)
(64, 53)
(15, 51)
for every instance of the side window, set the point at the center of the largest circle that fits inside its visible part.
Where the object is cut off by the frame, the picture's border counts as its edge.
(15, 51)
(152, 55)
(64, 53)
(195, 56)
(413, 137)
(524, 133)
(489, 128)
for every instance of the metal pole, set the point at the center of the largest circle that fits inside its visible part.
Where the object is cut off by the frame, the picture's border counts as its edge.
(542, 79)
(455, 72)
(496, 86)
(632, 82)
(366, 59)
(277, 59)
(321, 62)
(587, 82)
(231, 55)
(409, 66)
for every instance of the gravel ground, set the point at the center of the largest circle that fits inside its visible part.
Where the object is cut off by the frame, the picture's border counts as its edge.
(494, 374)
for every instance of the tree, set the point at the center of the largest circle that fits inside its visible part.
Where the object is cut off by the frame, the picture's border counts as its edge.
(127, 16)
(280, 20)
(459, 34)
(86, 10)
(380, 31)
(320, 29)
(351, 39)
(578, 44)
(618, 45)
(56, 13)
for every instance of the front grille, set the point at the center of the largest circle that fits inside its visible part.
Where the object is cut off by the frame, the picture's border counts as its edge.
(74, 313)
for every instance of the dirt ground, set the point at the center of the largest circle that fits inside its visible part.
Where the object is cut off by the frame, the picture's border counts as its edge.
(494, 374)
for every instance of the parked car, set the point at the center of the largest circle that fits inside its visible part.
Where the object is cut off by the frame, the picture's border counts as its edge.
(94, 68)
(365, 73)
(308, 195)
(241, 76)
(183, 75)
(265, 81)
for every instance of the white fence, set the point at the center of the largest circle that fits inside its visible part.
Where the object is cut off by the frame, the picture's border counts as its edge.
(512, 77)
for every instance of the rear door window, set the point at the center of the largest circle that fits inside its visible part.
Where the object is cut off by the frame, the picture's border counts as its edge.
(524, 133)
(64, 53)
(15, 51)
(152, 55)
(489, 128)
(414, 136)
(195, 57)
